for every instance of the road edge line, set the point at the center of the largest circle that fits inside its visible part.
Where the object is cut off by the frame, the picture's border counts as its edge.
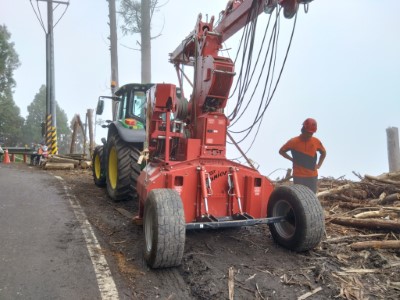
(105, 281)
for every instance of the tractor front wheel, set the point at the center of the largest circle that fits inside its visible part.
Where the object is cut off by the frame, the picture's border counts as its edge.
(164, 229)
(98, 167)
(122, 169)
(304, 225)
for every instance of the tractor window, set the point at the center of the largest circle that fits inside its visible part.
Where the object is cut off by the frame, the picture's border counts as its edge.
(139, 104)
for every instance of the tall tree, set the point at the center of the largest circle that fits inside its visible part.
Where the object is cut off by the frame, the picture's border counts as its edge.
(37, 116)
(10, 120)
(137, 17)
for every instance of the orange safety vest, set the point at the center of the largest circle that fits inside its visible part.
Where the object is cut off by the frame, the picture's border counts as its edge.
(304, 155)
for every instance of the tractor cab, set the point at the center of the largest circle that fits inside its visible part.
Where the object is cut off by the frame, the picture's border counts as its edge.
(132, 105)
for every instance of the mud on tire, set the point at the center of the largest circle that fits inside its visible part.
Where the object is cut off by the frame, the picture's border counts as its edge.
(164, 229)
(122, 169)
(304, 226)
(98, 171)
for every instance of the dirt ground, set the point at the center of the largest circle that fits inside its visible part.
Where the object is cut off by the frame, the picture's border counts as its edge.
(262, 270)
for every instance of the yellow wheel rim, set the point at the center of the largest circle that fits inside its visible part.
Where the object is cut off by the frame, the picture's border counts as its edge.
(97, 167)
(113, 168)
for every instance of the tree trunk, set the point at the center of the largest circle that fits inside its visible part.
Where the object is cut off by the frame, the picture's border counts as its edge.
(146, 41)
(393, 148)
(73, 138)
(90, 121)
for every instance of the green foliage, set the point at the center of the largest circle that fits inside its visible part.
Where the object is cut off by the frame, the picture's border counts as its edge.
(10, 120)
(37, 115)
(9, 61)
(130, 10)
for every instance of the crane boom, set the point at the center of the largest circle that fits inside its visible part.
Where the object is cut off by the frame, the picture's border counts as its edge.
(235, 16)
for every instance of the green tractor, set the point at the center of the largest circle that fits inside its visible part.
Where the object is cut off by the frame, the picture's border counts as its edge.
(115, 163)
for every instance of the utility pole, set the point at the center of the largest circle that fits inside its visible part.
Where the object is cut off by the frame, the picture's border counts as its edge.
(51, 117)
(114, 55)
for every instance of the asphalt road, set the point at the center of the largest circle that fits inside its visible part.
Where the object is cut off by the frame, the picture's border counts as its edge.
(47, 248)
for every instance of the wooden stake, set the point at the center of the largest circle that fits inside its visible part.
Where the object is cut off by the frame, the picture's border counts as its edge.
(231, 283)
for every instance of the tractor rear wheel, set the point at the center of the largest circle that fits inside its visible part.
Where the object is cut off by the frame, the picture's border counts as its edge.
(164, 229)
(304, 226)
(99, 175)
(122, 169)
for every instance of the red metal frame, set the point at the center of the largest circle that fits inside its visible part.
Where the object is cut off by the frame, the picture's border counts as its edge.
(189, 156)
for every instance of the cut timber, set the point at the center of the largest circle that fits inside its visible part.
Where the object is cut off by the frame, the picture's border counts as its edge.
(335, 190)
(56, 159)
(58, 166)
(390, 199)
(86, 164)
(351, 237)
(370, 214)
(369, 223)
(77, 156)
(394, 244)
(392, 175)
(384, 180)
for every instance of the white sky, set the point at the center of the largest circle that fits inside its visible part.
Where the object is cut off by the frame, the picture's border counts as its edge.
(343, 70)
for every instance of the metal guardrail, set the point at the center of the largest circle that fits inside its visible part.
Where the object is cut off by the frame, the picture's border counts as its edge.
(19, 150)
(13, 151)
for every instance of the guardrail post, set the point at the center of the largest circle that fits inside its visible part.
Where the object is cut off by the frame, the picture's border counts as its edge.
(12, 157)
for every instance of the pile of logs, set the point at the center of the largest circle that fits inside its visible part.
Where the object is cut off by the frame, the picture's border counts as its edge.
(66, 162)
(372, 204)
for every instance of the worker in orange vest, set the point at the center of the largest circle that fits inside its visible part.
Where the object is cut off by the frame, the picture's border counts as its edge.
(304, 150)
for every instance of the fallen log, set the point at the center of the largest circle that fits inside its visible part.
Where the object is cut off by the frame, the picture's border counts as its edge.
(388, 181)
(390, 199)
(57, 159)
(335, 190)
(391, 175)
(58, 166)
(370, 214)
(72, 156)
(86, 164)
(352, 237)
(393, 244)
(368, 223)
(356, 193)
(350, 205)
(344, 198)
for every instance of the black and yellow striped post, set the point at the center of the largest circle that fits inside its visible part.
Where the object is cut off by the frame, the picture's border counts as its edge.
(51, 136)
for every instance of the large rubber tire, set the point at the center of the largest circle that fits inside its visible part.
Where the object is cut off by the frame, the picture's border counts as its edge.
(164, 229)
(304, 226)
(98, 171)
(122, 169)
